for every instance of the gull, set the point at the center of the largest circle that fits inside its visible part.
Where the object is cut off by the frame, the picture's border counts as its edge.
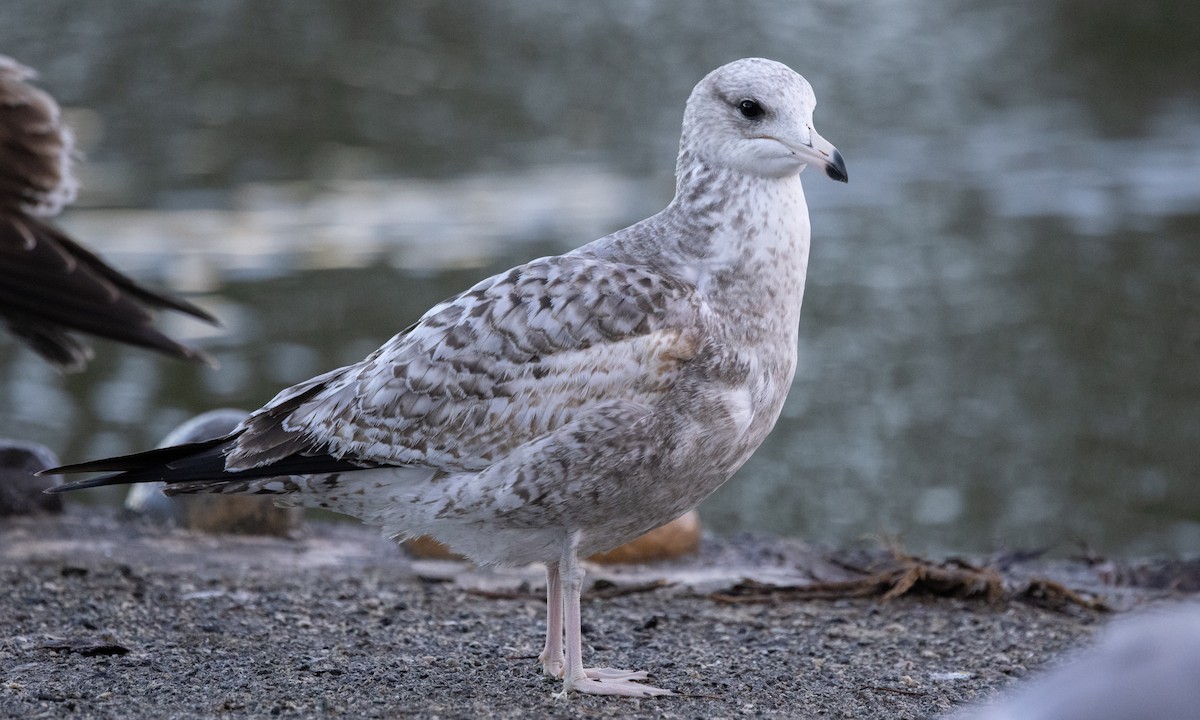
(572, 403)
(50, 285)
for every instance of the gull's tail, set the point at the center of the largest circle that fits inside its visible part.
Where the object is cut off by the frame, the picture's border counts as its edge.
(198, 467)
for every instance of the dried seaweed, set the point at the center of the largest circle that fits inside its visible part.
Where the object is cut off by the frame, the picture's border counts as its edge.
(901, 574)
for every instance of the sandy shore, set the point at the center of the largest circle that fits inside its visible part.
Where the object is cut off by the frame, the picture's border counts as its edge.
(105, 618)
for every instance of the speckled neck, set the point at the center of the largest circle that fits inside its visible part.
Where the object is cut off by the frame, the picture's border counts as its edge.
(742, 240)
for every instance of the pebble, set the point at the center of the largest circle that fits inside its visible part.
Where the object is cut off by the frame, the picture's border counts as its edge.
(211, 513)
(21, 490)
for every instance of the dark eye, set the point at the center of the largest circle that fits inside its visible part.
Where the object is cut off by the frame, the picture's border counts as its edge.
(750, 109)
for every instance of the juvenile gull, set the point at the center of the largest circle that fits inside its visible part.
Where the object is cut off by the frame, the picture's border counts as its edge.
(570, 404)
(51, 286)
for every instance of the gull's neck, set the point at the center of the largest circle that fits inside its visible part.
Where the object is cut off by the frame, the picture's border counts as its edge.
(742, 239)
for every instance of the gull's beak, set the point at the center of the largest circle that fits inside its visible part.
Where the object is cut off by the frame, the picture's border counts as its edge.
(823, 152)
(819, 151)
(836, 167)
(811, 150)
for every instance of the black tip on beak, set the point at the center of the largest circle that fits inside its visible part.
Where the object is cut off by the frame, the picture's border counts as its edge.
(836, 168)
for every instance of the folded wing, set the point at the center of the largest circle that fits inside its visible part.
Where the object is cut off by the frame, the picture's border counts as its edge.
(511, 359)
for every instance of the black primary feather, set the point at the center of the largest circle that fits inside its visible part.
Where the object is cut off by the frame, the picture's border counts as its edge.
(202, 461)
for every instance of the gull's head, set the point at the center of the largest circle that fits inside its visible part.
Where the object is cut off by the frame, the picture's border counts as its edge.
(755, 116)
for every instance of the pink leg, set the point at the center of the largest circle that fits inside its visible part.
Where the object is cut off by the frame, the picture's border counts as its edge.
(596, 681)
(551, 658)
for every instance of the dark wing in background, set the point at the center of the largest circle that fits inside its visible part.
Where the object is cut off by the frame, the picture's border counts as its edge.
(50, 285)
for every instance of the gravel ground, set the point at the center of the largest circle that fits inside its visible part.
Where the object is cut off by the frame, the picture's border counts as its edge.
(105, 618)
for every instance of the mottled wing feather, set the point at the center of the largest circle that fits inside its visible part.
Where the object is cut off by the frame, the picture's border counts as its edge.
(513, 358)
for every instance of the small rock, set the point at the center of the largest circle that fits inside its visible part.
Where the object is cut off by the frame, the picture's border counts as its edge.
(212, 513)
(679, 537)
(427, 548)
(21, 492)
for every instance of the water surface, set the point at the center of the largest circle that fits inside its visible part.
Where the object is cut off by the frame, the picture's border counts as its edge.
(1001, 337)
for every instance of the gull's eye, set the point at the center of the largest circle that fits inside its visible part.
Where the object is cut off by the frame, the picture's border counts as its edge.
(750, 109)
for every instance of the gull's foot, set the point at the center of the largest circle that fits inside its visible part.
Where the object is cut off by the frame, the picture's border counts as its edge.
(613, 674)
(608, 681)
(556, 667)
(553, 667)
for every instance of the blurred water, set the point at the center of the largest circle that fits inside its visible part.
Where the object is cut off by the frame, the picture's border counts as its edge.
(1001, 337)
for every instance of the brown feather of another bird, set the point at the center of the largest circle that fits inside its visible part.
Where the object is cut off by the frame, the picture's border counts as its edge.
(50, 285)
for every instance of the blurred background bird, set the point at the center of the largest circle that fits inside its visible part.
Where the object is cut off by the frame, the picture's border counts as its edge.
(51, 287)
